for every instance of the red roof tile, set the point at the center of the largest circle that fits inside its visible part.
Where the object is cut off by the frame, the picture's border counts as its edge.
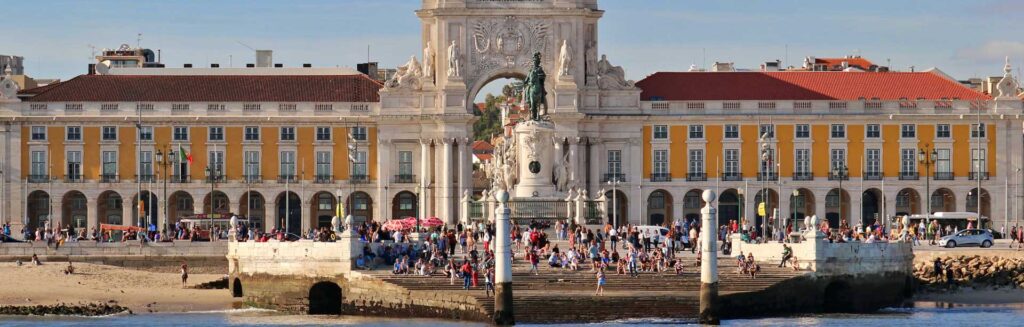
(703, 86)
(40, 89)
(206, 88)
(482, 146)
(837, 63)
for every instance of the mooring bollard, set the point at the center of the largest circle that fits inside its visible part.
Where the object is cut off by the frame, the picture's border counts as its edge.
(709, 262)
(503, 314)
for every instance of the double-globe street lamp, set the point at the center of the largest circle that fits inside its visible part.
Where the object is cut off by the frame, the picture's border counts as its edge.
(927, 157)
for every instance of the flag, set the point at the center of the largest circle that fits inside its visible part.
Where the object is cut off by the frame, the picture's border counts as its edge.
(185, 156)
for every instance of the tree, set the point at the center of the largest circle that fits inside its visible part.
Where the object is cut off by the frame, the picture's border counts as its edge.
(489, 123)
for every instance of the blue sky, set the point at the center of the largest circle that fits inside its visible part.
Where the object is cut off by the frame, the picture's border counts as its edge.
(963, 38)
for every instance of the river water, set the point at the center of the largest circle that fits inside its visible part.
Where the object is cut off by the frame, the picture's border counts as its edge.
(922, 315)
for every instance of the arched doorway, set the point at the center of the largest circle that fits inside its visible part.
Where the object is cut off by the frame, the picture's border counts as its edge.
(149, 208)
(360, 206)
(289, 212)
(837, 207)
(217, 202)
(984, 207)
(908, 202)
(236, 288)
(943, 200)
(255, 212)
(692, 202)
(771, 205)
(74, 211)
(801, 204)
(38, 209)
(729, 206)
(617, 207)
(322, 207)
(180, 204)
(325, 299)
(871, 206)
(659, 208)
(404, 205)
(110, 208)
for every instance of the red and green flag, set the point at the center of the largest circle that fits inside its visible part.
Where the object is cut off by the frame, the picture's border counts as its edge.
(185, 156)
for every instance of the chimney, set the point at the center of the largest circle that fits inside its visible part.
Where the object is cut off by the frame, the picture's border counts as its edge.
(188, 66)
(307, 65)
(214, 65)
(250, 65)
(92, 69)
(264, 58)
(278, 65)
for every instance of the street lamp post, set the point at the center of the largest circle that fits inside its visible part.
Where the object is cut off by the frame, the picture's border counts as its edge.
(164, 159)
(614, 183)
(840, 171)
(927, 158)
(796, 200)
(766, 167)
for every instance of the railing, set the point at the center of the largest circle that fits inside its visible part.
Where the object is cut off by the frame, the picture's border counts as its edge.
(661, 177)
(38, 178)
(215, 179)
(147, 178)
(943, 176)
(764, 176)
(696, 177)
(476, 210)
(323, 179)
(909, 176)
(76, 178)
(526, 210)
(732, 176)
(592, 212)
(405, 178)
(286, 178)
(253, 178)
(359, 179)
(803, 176)
(976, 175)
(613, 178)
(872, 175)
(180, 179)
(110, 178)
(833, 176)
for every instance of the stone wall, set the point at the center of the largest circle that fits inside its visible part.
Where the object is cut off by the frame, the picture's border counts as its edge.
(971, 270)
(835, 259)
(202, 257)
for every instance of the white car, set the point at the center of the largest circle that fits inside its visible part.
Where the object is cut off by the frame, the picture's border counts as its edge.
(647, 231)
(979, 237)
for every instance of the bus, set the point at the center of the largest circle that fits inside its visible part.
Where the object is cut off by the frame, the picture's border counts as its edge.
(205, 223)
(955, 219)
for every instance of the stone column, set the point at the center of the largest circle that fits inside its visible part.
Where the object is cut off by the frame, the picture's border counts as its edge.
(445, 189)
(92, 219)
(128, 211)
(464, 183)
(709, 262)
(384, 173)
(503, 309)
(307, 215)
(424, 177)
(574, 163)
(595, 166)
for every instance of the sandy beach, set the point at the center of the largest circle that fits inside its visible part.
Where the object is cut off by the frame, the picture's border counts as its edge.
(141, 291)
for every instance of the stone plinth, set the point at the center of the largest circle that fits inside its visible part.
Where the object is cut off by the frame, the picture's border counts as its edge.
(536, 159)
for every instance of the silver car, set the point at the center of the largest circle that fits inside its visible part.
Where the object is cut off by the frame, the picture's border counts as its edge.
(979, 237)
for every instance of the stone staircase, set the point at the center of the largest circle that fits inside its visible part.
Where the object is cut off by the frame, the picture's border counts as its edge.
(558, 295)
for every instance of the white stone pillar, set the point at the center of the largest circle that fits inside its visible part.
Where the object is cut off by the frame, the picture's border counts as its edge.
(574, 162)
(503, 311)
(384, 173)
(595, 166)
(424, 178)
(709, 261)
(92, 220)
(447, 212)
(464, 183)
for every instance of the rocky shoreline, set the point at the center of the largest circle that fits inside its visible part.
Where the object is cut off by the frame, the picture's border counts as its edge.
(971, 271)
(86, 310)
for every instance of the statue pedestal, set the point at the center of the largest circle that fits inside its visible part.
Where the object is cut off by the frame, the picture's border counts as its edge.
(535, 159)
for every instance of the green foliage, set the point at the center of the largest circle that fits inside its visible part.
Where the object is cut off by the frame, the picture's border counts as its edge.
(489, 123)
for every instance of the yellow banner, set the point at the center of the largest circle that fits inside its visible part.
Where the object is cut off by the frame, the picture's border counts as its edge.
(760, 209)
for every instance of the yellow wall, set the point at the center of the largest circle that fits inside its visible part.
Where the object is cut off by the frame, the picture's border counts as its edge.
(234, 158)
(855, 150)
(750, 155)
(92, 165)
(713, 159)
(820, 154)
(891, 150)
(925, 136)
(126, 156)
(991, 152)
(56, 136)
(306, 155)
(270, 156)
(784, 155)
(677, 152)
(199, 136)
(371, 154)
(961, 155)
(647, 166)
(341, 153)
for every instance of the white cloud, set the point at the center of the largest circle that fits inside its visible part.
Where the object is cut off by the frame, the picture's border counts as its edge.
(991, 50)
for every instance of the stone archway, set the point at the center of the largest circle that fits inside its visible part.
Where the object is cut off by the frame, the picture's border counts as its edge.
(322, 208)
(871, 206)
(837, 207)
(325, 299)
(38, 209)
(236, 288)
(404, 205)
(771, 205)
(985, 205)
(149, 208)
(180, 204)
(908, 202)
(360, 206)
(255, 211)
(659, 208)
(110, 208)
(692, 203)
(74, 211)
(943, 200)
(801, 204)
(216, 202)
(730, 205)
(289, 212)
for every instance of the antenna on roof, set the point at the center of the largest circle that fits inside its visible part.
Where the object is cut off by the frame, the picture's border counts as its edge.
(138, 41)
(93, 47)
(704, 58)
(367, 53)
(787, 57)
(245, 45)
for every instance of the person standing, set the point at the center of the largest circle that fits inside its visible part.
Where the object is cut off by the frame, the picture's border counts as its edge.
(600, 282)
(184, 274)
(787, 253)
(467, 274)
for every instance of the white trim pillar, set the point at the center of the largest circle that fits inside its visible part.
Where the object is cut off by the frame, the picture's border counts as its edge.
(424, 178)
(709, 261)
(445, 188)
